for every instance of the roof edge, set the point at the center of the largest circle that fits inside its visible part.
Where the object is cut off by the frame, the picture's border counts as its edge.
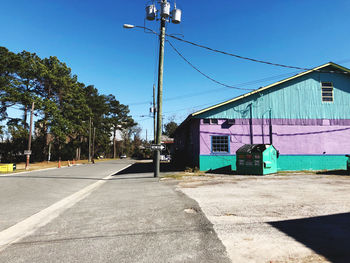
(269, 86)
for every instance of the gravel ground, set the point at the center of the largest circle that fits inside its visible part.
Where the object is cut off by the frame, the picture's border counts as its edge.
(277, 218)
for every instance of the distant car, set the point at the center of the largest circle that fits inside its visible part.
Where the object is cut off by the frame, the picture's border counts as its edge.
(165, 158)
(123, 156)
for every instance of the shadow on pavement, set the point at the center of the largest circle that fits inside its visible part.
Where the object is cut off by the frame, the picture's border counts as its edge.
(335, 172)
(137, 168)
(223, 170)
(328, 236)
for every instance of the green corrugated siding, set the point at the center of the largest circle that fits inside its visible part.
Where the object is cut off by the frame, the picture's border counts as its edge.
(296, 99)
(284, 162)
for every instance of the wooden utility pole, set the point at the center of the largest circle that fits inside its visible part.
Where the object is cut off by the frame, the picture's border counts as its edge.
(114, 143)
(90, 140)
(154, 113)
(93, 143)
(160, 93)
(30, 137)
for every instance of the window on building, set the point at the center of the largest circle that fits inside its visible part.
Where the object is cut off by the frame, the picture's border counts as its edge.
(220, 144)
(214, 121)
(206, 121)
(327, 92)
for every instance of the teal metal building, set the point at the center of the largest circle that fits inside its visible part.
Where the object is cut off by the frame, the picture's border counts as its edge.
(306, 117)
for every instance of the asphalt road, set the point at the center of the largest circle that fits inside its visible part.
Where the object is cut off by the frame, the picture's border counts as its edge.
(91, 213)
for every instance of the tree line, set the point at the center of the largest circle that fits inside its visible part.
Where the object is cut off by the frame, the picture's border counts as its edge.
(64, 110)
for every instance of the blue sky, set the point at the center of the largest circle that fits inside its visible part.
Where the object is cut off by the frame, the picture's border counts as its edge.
(88, 36)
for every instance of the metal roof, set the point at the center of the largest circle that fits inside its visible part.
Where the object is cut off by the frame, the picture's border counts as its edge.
(270, 86)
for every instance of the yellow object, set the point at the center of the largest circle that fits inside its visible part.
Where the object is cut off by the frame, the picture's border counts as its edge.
(6, 167)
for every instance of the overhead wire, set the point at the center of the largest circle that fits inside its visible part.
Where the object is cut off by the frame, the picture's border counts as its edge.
(252, 59)
(243, 57)
(234, 55)
(219, 89)
(194, 107)
(202, 73)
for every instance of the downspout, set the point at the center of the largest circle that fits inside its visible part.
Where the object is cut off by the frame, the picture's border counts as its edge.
(251, 123)
(270, 126)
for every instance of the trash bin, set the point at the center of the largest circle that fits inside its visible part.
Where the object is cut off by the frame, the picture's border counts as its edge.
(256, 159)
(6, 167)
(348, 162)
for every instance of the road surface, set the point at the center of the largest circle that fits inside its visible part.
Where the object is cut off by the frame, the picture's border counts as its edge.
(92, 213)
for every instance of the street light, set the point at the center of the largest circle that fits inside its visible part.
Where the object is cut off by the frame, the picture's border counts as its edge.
(164, 15)
(128, 26)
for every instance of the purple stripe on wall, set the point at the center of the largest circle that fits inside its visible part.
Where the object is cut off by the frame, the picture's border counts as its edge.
(329, 137)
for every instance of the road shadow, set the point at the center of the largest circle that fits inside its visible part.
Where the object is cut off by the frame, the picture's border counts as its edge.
(148, 167)
(335, 172)
(328, 236)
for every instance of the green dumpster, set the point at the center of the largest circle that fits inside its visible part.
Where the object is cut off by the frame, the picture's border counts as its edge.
(256, 159)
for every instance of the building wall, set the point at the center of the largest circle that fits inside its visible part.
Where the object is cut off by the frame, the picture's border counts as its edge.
(187, 144)
(303, 145)
(309, 134)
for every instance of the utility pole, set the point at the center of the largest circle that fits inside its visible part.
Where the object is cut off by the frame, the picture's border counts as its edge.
(154, 113)
(160, 92)
(89, 141)
(30, 137)
(165, 16)
(93, 143)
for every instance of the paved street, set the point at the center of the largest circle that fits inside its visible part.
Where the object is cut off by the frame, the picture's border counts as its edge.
(91, 213)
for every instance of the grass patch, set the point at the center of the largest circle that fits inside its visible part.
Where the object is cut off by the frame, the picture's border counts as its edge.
(181, 175)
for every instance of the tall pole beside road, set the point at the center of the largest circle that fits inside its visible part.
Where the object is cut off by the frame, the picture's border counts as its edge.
(154, 113)
(165, 16)
(28, 153)
(89, 140)
(160, 94)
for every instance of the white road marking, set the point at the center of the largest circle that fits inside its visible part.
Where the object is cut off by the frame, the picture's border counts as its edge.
(45, 216)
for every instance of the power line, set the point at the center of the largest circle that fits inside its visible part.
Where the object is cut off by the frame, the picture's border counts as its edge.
(193, 107)
(253, 82)
(245, 58)
(252, 59)
(205, 75)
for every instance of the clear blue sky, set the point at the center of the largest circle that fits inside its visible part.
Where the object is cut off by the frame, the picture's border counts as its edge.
(88, 36)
